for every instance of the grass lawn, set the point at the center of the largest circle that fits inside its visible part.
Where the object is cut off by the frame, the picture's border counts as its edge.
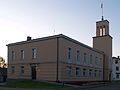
(30, 84)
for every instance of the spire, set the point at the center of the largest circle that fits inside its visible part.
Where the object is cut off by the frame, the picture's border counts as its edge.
(102, 11)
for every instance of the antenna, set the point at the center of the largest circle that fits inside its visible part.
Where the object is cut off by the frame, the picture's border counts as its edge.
(102, 11)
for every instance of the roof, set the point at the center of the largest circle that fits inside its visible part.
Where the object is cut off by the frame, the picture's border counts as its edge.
(53, 37)
(116, 58)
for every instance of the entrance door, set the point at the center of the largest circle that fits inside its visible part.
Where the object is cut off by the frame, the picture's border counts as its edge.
(33, 72)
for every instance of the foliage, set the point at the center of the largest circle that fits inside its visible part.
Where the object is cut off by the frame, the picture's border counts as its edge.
(2, 63)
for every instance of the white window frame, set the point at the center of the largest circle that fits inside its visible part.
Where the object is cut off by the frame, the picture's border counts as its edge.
(77, 71)
(22, 54)
(22, 70)
(13, 55)
(34, 53)
(78, 57)
(12, 69)
(69, 57)
(69, 71)
(85, 58)
(91, 59)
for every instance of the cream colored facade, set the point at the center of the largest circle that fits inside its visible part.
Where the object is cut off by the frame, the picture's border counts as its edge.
(52, 62)
(56, 58)
(103, 42)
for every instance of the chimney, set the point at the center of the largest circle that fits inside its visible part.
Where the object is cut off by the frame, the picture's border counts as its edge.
(28, 38)
(118, 57)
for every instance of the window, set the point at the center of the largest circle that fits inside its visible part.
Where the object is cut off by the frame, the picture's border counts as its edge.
(69, 55)
(22, 69)
(91, 57)
(78, 57)
(84, 72)
(22, 54)
(90, 72)
(100, 62)
(95, 74)
(69, 71)
(34, 53)
(13, 55)
(77, 72)
(84, 57)
(96, 60)
(100, 73)
(117, 75)
(117, 68)
(116, 61)
(103, 30)
(101, 33)
(13, 69)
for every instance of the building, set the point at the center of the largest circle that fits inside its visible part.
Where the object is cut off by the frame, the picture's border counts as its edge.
(116, 68)
(61, 58)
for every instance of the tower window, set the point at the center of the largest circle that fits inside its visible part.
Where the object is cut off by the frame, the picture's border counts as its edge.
(101, 32)
(104, 31)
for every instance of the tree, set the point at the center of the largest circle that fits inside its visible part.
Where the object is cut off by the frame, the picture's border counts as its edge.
(2, 62)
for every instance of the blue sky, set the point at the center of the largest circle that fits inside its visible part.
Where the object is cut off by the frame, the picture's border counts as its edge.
(40, 18)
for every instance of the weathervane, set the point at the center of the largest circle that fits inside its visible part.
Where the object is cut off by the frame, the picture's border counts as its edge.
(102, 11)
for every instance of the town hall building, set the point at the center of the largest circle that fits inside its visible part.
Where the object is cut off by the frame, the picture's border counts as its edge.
(61, 58)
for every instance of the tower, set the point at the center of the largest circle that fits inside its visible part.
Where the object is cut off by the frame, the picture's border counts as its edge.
(103, 42)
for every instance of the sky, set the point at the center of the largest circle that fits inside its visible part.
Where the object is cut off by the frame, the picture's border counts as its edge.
(41, 18)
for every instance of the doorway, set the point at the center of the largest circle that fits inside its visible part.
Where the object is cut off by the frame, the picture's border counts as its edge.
(33, 72)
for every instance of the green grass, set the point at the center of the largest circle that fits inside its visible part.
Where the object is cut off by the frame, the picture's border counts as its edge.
(30, 84)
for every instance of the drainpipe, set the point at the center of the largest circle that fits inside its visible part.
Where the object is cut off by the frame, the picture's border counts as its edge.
(57, 59)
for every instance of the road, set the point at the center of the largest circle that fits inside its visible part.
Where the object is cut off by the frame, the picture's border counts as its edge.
(114, 86)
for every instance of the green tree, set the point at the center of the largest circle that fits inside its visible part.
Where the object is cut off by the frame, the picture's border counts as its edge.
(2, 62)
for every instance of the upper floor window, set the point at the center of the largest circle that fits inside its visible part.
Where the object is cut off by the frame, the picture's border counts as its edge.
(34, 53)
(69, 55)
(22, 54)
(91, 59)
(116, 61)
(117, 68)
(85, 58)
(78, 56)
(96, 60)
(13, 55)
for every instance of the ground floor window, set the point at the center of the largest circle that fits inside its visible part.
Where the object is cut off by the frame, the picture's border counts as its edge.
(117, 75)
(77, 72)
(95, 73)
(90, 72)
(22, 69)
(69, 71)
(13, 69)
(84, 72)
